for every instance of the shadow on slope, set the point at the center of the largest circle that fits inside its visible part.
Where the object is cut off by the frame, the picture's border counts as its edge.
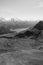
(28, 33)
(39, 25)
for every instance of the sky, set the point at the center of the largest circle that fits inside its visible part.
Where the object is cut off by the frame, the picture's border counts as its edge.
(21, 9)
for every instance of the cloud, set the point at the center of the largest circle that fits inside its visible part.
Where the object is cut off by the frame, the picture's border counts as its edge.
(40, 3)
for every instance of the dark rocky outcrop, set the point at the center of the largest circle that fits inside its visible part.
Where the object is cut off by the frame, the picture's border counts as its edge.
(39, 25)
(39, 29)
(20, 35)
(35, 32)
(27, 33)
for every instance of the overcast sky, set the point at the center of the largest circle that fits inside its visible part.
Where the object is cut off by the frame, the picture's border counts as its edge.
(22, 9)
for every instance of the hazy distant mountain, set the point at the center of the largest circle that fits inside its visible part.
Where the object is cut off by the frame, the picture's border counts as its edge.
(7, 25)
(2, 19)
(16, 23)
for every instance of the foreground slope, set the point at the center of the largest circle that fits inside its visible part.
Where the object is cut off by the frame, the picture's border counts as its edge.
(21, 50)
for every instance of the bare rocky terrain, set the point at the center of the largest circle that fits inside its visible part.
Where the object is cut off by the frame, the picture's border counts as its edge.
(23, 48)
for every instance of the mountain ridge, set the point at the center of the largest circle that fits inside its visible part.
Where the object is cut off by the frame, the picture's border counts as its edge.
(35, 31)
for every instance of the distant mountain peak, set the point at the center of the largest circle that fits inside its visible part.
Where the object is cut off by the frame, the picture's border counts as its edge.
(2, 19)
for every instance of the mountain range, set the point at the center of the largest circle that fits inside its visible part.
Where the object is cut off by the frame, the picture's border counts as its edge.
(8, 25)
(31, 29)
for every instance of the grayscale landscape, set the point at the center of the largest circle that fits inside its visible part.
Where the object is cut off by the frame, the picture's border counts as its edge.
(24, 47)
(21, 32)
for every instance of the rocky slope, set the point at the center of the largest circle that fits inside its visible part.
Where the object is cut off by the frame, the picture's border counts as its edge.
(25, 48)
